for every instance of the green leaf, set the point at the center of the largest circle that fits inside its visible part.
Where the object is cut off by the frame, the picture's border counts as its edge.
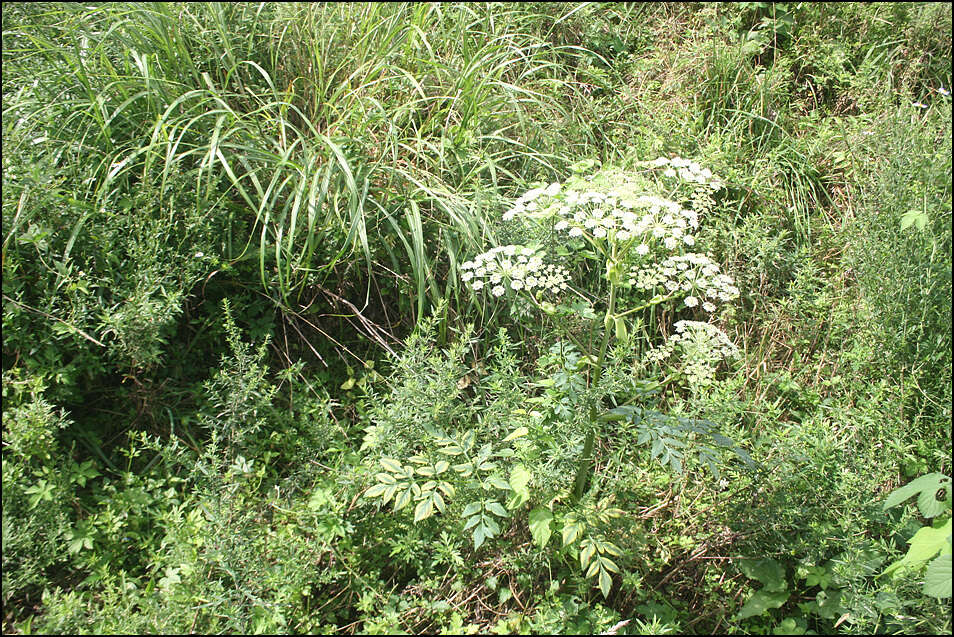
(606, 583)
(925, 544)
(914, 216)
(376, 491)
(497, 509)
(609, 565)
(928, 484)
(516, 433)
(620, 328)
(438, 501)
(540, 519)
(470, 509)
(937, 578)
(391, 464)
(766, 570)
(423, 510)
(571, 531)
(479, 536)
(519, 480)
(587, 552)
(402, 500)
(761, 601)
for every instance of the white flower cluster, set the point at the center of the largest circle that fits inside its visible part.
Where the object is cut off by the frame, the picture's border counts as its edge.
(687, 170)
(514, 266)
(527, 201)
(695, 275)
(649, 219)
(702, 345)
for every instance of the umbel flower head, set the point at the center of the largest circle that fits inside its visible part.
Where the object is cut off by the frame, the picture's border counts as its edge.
(686, 170)
(513, 267)
(694, 276)
(702, 346)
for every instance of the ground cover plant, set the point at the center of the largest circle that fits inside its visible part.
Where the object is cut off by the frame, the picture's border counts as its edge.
(477, 318)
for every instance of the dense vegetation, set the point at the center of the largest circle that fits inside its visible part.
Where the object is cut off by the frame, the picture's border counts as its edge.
(380, 317)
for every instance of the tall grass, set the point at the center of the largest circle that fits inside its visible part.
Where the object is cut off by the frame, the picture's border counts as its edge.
(324, 132)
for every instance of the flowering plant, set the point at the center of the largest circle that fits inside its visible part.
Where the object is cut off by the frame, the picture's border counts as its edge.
(642, 227)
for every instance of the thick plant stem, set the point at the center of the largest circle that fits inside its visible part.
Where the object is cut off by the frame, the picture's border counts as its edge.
(586, 460)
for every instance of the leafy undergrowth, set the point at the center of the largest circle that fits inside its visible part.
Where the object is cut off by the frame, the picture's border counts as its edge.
(505, 318)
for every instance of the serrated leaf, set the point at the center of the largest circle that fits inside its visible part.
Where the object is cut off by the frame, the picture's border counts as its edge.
(376, 491)
(423, 510)
(606, 584)
(499, 483)
(519, 479)
(931, 482)
(768, 571)
(391, 464)
(540, 519)
(612, 549)
(516, 433)
(925, 544)
(929, 505)
(937, 577)
(761, 601)
(386, 478)
(447, 488)
(402, 500)
(497, 509)
(608, 564)
(438, 501)
(571, 531)
(587, 552)
(593, 569)
(479, 536)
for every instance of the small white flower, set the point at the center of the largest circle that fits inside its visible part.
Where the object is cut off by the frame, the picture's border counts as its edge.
(466, 265)
(691, 301)
(497, 290)
(689, 240)
(670, 243)
(943, 91)
(669, 172)
(467, 276)
(919, 105)
(642, 249)
(599, 232)
(552, 189)
(477, 284)
(708, 307)
(562, 225)
(516, 284)
(199, 255)
(576, 232)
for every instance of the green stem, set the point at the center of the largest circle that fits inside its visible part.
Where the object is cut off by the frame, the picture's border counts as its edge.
(586, 460)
